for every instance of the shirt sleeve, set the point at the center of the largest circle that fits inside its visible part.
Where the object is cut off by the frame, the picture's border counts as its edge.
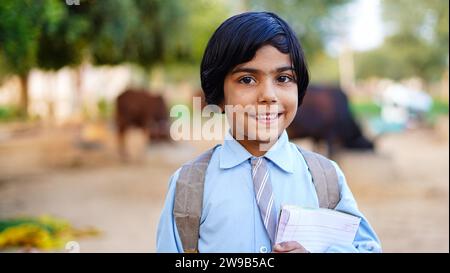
(365, 240)
(167, 238)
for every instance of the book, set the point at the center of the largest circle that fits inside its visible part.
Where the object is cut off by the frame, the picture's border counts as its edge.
(316, 229)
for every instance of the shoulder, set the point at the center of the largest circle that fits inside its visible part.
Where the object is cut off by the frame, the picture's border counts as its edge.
(308, 157)
(303, 153)
(173, 179)
(199, 161)
(336, 167)
(340, 175)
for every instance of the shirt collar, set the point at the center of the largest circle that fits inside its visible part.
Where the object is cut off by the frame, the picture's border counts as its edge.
(233, 153)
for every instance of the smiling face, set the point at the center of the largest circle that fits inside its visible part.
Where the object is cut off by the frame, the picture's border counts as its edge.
(264, 95)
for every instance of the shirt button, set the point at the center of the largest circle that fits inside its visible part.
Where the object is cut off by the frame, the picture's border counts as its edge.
(263, 249)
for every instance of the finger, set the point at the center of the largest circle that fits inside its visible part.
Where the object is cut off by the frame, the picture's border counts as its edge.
(287, 246)
(277, 248)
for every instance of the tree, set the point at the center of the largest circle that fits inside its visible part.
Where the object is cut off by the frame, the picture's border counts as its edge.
(417, 44)
(315, 22)
(50, 34)
(38, 34)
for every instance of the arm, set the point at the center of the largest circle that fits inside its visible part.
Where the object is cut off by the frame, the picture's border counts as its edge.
(167, 238)
(365, 240)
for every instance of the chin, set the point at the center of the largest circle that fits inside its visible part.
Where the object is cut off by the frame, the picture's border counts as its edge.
(268, 136)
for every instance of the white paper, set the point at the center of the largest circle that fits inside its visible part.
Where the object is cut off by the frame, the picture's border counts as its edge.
(316, 229)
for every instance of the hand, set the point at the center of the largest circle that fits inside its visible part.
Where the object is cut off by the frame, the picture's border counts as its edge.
(289, 247)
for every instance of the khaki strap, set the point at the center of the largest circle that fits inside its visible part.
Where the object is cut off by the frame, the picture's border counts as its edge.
(188, 202)
(324, 177)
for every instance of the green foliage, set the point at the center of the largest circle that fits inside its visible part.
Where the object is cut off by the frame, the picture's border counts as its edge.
(315, 22)
(401, 57)
(417, 45)
(19, 33)
(50, 34)
(44, 233)
(370, 109)
(440, 107)
(105, 109)
(365, 109)
(10, 113)
(203, 17)
(141, 32)
(63, 38)
(324, 69)
(38, 34)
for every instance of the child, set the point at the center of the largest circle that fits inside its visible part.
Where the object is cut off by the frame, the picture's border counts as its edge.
(253, 59)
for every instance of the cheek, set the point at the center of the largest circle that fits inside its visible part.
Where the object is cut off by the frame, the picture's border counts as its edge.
(229, 93)
(290, 102)
(233, 95)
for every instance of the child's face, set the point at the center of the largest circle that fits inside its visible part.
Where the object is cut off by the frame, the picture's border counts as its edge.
(265, 83)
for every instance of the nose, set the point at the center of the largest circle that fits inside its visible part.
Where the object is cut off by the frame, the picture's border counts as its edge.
(267, 93)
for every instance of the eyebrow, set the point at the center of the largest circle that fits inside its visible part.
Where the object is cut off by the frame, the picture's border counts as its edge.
(254, 70)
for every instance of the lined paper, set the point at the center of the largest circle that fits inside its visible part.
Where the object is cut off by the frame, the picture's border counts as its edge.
(316, 229)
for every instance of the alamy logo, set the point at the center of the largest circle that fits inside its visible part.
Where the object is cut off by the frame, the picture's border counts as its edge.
(73, 247)
(73, 2)
(249, 122)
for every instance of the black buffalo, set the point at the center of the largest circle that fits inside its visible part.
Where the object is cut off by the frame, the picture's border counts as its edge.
(325, 115)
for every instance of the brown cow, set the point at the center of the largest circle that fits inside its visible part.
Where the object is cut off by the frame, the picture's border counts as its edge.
(138, 108)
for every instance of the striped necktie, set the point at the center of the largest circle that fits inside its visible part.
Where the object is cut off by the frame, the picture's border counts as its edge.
(264, 195)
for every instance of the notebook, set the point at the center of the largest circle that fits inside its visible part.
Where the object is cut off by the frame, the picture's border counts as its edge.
(316, 229)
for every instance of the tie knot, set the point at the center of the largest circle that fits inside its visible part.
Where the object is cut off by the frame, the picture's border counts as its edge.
(256, 161)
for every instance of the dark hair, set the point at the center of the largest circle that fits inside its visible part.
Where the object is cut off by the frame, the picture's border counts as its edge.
(237, 40)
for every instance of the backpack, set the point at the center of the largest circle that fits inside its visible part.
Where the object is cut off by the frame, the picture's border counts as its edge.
(189, 192)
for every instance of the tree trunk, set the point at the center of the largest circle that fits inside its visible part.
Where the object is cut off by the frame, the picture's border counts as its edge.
(23, 107)
(347, 69)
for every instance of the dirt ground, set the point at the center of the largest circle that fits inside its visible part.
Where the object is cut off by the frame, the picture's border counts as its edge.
(402, 188)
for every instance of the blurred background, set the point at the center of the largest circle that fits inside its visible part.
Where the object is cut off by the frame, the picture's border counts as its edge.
(82, 160)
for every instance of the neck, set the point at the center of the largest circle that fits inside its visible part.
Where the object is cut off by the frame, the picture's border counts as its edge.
(254, 146)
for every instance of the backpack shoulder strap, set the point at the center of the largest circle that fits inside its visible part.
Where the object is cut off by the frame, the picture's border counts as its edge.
(187, 209)
(324, 177)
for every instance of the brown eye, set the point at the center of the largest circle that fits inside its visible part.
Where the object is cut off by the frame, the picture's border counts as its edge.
(284, 79)
(246, 80)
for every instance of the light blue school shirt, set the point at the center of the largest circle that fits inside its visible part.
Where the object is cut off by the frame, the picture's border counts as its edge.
(231, 220)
